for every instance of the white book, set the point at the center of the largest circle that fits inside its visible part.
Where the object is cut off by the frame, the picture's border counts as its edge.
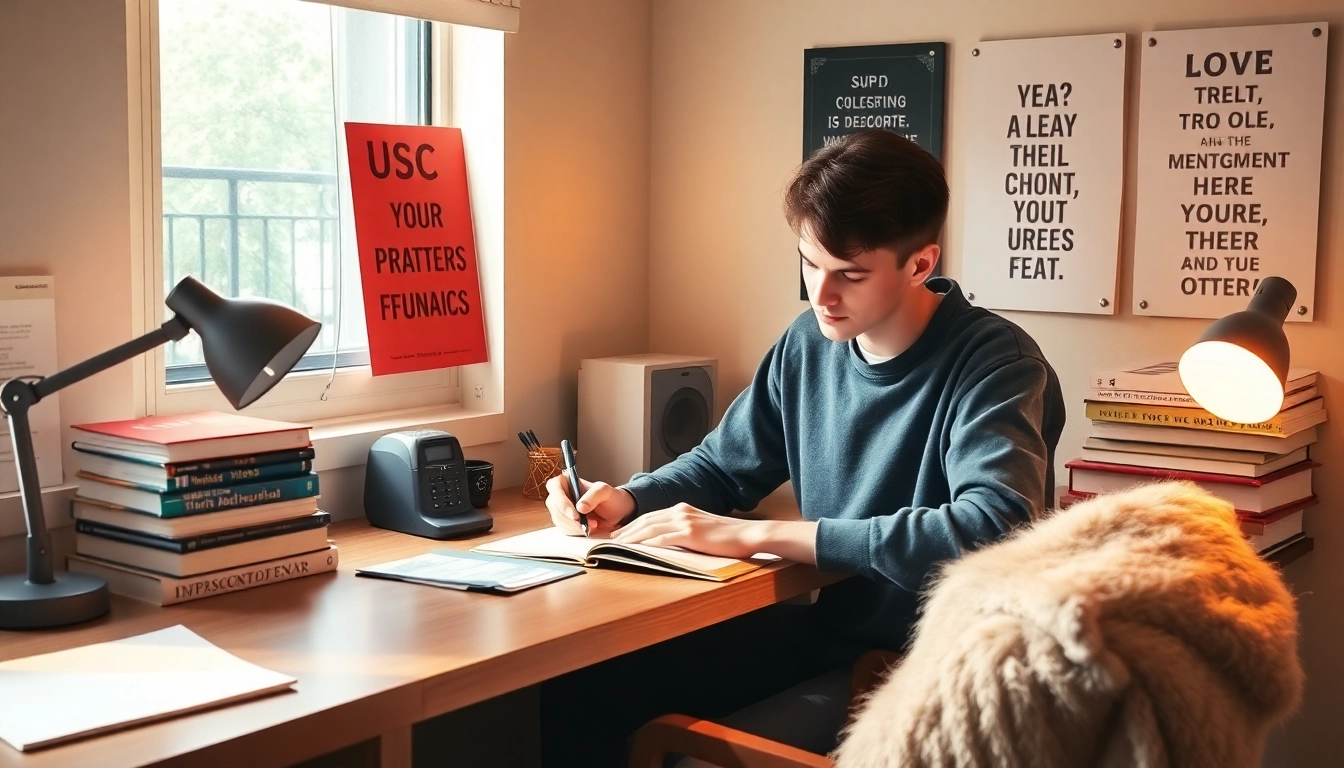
(1165, 377)
(1277, 532)
(1238, 441)
(166, 590)
(1190, 464)
(1190, 451)
(61, 696)
(202, 560)
(1183, 401)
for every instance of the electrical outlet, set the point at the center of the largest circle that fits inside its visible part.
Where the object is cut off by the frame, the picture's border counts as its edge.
(479, 392)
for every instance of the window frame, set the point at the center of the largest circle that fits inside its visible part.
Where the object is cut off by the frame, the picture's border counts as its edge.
(354, 391)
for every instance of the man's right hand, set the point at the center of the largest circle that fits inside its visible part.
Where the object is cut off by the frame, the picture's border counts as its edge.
(604, 505)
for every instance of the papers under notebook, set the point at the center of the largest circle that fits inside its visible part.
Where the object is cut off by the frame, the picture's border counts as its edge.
(552, 545)
(469, 570)
(61, 696)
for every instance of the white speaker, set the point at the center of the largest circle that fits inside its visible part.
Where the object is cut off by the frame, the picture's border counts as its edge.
(637, 413)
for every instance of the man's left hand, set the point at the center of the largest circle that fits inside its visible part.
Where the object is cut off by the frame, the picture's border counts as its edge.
(694, 529)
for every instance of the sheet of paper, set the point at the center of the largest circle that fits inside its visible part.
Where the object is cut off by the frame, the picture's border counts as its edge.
(456, 569)
(28, 348)
(92, 689)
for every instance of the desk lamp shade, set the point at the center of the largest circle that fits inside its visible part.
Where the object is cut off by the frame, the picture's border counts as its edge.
(248, 344)
(1238, 368)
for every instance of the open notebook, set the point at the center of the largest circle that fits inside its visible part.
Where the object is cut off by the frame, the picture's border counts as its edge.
(552, 545)
(69, 694)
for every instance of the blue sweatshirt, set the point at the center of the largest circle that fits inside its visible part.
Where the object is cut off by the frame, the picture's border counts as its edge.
(903, 464)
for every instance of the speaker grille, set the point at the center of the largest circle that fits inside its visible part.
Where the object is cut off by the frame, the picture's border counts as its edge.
(685, 421)
(681, 412)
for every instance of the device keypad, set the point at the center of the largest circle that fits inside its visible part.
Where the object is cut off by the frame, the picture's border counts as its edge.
(444, 492)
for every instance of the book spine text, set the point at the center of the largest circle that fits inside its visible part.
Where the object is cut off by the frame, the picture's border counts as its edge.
(208, 479)
(220, 582)
(233, 497)
(1192, 418)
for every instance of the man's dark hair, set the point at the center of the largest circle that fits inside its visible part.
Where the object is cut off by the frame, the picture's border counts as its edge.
(869, 190)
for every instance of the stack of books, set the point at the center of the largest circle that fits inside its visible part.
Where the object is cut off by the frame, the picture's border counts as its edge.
(177, 508)
(1146, 427)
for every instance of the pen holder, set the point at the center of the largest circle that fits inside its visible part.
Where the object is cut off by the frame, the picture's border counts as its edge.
(542, 465)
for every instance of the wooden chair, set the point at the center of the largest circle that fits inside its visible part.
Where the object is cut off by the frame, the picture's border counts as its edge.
(731, 748)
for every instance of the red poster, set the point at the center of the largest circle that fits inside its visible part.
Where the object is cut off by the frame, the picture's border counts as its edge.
(417, 251)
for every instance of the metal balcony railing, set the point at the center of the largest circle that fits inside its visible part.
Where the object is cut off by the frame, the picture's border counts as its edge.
(277, 237)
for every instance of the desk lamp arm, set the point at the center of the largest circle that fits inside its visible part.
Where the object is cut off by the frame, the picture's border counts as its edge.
(18, 395)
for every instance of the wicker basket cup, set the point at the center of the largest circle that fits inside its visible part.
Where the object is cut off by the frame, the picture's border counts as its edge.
(542, 465)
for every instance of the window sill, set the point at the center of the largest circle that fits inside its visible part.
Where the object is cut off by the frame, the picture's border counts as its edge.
(338, 443)
(55, 507)
(345, 442)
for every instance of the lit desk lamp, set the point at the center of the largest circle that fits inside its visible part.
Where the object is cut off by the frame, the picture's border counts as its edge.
(248, 346)
(1238, 368)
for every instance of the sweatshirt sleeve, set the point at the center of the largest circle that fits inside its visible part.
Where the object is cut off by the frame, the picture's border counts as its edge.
(736, 465)
(996, 460)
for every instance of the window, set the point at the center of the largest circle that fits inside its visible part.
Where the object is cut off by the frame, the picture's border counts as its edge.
(251, 189)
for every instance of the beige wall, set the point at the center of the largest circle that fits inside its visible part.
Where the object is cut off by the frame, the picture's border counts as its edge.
(64, 181)
(64, 190)
(727, 129)
(576, 191)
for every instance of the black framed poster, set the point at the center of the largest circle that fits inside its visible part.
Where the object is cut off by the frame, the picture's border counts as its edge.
(899, 87)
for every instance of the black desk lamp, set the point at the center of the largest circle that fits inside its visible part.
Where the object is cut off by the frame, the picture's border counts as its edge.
(1238, 368)
(249, 345)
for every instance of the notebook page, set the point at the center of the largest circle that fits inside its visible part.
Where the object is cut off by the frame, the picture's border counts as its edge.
(60, 696)
(551, 542)
(547, 542)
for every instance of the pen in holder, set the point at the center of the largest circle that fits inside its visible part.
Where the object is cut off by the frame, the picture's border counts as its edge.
(542, 465)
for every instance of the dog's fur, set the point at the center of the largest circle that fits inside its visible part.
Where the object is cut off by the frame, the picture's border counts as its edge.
(1135, 629)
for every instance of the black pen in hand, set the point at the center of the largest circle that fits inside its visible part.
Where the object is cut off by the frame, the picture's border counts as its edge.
(572, 475)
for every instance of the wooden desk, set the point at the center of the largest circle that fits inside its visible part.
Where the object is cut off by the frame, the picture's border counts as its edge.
(372, 657)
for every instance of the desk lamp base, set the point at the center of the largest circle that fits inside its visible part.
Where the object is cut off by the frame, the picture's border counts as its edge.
(69, 599)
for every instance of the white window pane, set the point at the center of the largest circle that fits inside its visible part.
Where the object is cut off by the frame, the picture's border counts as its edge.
(251, 151)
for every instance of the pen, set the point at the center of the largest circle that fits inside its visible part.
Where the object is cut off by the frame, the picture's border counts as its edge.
(572, 474)
(533, 437)
(523, 438)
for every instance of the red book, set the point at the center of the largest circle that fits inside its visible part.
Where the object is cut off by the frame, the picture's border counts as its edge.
(1251, 523)
(191, 436)
(1251, 494)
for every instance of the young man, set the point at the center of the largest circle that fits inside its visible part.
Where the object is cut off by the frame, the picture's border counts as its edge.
(913, 426)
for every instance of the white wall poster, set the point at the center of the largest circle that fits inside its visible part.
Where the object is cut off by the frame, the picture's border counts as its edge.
(28, 348)
(1045, 162)
(1229, 167)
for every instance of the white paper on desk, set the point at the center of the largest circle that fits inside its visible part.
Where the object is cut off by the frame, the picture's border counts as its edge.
(28, 348)
(65, 695)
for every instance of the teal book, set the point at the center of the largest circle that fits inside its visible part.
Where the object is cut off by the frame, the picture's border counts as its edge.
(143, 470)
(164, 481)
(194, 502)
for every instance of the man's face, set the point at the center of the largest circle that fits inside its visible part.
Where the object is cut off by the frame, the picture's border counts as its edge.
(851, 297)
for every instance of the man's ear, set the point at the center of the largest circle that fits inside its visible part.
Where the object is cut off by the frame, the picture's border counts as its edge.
(922, 263)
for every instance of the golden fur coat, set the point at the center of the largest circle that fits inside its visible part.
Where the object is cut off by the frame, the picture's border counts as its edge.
(1135, 629)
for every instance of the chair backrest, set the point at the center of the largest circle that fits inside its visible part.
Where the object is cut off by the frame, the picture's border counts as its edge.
(1138, 628)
